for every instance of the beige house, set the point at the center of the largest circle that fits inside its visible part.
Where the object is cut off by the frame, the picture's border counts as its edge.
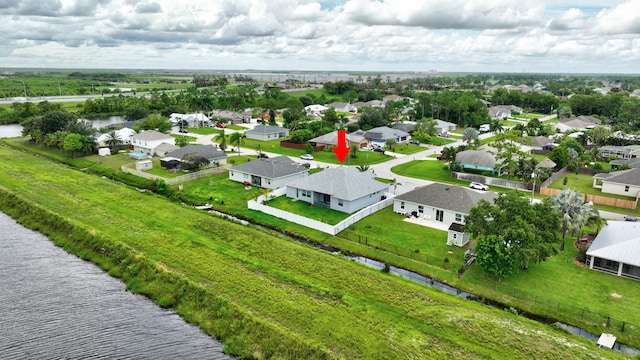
(623, 182)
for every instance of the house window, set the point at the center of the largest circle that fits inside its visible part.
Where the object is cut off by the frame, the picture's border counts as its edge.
(232, 173)
(268, 181)
(402, 205)
(340, 203)
(306, 193)
(459, 217)
(455, 236)
(626, 188)
(246, 176)
(421, 209)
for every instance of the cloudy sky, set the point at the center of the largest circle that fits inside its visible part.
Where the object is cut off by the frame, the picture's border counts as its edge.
(559, 36)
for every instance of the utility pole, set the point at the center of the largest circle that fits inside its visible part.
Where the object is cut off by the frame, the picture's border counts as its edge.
(25, 88)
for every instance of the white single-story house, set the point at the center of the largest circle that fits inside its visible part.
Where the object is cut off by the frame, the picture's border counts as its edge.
(331, 139)
(620, 152)
(443, 127)
(343, 189)
(499, 112)
(540, 142)
(209, 152)
(616, 249)
(582, 122)
(315, 109)
(270, 173)
(445, 203)
(380, 135)
(341, 107)
(227, 116)
(621, 182)
(266, 132)
(147, 141)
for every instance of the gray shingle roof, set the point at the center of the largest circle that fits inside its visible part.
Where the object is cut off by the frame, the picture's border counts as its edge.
(151, 135)
(626, 177)
(540, 141)
(272, 168)
(449, 197)
(208, 152)
(476, 157)
(345, 183)
(618, 241)
(266, 129)
(382, 133)
(332, 138)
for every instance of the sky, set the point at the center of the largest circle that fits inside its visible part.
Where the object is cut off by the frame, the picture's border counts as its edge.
(534, 36)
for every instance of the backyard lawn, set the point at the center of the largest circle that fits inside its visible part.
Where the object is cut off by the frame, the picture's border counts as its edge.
(582, 183)
(406, 148)
(302, 208)
(434, 170)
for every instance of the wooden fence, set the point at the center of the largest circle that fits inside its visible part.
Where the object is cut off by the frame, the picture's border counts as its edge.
(598, 199)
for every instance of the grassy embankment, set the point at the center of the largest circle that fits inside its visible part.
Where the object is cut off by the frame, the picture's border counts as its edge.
(386, 237)
(265, 296)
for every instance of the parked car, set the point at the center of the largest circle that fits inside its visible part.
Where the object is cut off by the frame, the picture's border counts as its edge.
(221, 125)
(183, 131)
(379, 149)
(306, 157)
(306, 165)
(478, 186)
(630, 218)
(414, 142)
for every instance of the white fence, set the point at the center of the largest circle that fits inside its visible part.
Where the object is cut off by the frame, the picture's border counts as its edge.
(176, 180)
(315, 224)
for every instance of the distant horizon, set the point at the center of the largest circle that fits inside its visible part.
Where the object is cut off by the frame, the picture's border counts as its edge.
(372, 36)
(4, 69)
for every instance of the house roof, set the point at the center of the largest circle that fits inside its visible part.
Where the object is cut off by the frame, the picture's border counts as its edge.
(626, 177)
(476, 157)
(272, 168)
(540, 141)
(456, 227)
(449, 197)
(404, 126)
(632, 163)
(266, 129)
(618, 241)
(332, 138)
(151, 135)
(381, 133)
(345, 183)
(208, 152)
(165, 147)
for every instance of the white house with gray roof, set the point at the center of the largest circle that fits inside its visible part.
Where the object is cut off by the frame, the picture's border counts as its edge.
(343, 189)
(445, 203)
(622, 182)
(380, 135)
(267, 132)
(208, 152)
(616, 249)
(270, 173)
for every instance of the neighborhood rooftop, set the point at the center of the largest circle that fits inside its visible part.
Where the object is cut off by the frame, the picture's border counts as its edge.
(451, 197)
(270, 168)
(618, 241)
(346, 183)
(628, 177)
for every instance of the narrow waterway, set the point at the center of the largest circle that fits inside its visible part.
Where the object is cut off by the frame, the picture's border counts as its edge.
(57, 306)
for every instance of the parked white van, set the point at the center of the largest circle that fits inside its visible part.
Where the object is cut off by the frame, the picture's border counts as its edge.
(485, 128)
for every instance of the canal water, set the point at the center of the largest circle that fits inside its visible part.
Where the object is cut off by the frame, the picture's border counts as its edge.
(57, 306)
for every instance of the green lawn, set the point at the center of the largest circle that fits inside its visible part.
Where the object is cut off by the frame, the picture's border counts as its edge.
(582, 183)
(305, 209)
(438, 141)
(205, 131)
(406, 148)
(487, 140)
(236, 127)
(263, 295)
(434, 170)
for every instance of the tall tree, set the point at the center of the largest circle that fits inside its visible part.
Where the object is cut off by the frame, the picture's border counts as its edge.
(573, 209)
(237, 139)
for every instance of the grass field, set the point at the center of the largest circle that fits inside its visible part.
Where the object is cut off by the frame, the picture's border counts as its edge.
(435, 170)
(305, 209)
(270, 290)
(582, 183)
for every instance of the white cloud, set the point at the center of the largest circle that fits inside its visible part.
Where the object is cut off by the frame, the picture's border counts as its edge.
(453, 35)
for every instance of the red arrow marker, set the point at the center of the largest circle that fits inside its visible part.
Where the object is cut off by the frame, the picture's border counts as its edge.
(342, 150)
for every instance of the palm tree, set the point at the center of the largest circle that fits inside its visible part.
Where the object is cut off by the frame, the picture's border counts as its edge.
(362, 167)
(221, 138)
(574, 210)
(114, 139)
(449, 154)
(237, 139)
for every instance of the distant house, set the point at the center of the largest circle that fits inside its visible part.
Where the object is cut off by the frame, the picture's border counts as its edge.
(147, 141)
(123, 136)
(616, 249)
(380, 135)
(164, 148)
(227, 116)
(540, 142)
(391, 98)
(582, 122)
(192, 119)
(500, 112)
(445, 203)
(341, 107)
(331, 140)
(267, 132)
(546, 164)
(208, 152)
(406, 126)
(620, 152)
(478, 160)
(343, 189)
(371, 103)
(315, 109)
(270, 173)
(621, 182)
(443, 127)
